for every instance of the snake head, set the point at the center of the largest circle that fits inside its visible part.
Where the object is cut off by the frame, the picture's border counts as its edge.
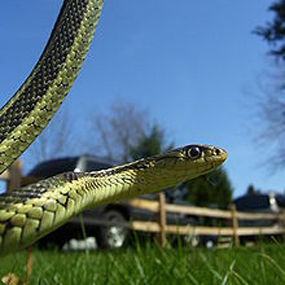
(191, 161)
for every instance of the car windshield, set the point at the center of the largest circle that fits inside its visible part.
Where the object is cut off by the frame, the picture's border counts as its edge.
(53, 167)
(94, 165)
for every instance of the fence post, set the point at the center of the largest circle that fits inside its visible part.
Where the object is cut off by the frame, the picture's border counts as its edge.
(235, 224)
(15, 172)
(162, 219)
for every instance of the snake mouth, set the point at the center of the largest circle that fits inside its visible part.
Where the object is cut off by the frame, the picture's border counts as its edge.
(222, 154)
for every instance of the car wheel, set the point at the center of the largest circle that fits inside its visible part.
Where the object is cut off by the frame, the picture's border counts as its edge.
(114, 236)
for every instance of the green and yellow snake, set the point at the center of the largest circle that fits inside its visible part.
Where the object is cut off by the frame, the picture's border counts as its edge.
(31, 212)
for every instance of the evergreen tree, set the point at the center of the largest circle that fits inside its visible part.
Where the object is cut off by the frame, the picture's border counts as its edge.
(150, 144)
(251, 190)
(215, 188)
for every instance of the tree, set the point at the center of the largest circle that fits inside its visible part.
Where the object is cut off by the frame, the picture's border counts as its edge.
(274, 32)
(214, 188)
(150, 144)
(271, 105)
(125, 133)
(251, 190)
(271, 130)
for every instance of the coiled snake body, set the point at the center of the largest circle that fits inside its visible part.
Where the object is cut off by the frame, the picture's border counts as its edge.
(31, 212)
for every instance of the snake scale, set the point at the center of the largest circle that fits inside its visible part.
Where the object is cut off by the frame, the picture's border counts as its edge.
(31, 212)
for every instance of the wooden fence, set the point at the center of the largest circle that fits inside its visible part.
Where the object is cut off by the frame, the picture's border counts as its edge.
(14, 180)
(232, 216)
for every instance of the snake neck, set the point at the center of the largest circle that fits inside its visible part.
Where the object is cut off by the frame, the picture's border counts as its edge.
(106, 186)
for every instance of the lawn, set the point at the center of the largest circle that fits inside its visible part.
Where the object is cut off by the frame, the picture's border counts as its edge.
(148, 264)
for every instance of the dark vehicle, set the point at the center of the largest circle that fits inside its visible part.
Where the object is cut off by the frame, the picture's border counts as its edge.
(260, 203)
(270, 203)
(105, 223)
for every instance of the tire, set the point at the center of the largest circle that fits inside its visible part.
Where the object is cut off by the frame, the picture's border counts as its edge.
(115, 236)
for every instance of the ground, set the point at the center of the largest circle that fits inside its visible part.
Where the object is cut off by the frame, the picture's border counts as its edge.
(149, 264)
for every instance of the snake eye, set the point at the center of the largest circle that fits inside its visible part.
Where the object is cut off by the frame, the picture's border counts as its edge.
(194, 152)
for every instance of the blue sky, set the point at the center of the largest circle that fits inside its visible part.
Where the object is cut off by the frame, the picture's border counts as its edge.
(193, 65)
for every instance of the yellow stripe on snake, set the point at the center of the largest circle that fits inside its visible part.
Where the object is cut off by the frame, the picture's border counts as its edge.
(31, 212)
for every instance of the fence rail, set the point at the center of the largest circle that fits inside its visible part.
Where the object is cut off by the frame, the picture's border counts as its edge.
(199, 211)
(200, 230)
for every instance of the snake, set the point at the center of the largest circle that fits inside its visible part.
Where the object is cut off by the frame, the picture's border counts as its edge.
(31, 212)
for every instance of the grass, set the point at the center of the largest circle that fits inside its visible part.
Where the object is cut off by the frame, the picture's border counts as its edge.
(148, 264)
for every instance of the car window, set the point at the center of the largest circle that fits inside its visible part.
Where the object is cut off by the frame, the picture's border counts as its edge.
(94, 165)
(253, 202)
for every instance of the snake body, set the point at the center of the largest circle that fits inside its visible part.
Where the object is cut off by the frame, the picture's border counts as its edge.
(29, 213)
(27, 113)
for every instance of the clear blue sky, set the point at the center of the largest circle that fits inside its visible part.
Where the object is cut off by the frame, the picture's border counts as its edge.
(192, 64)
